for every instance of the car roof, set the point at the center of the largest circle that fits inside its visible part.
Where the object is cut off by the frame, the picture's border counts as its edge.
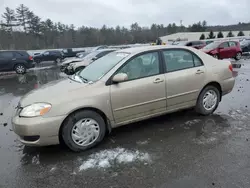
(106, 49)
(149, 48)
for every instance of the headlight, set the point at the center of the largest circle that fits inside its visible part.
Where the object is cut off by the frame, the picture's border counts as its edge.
(36, 109)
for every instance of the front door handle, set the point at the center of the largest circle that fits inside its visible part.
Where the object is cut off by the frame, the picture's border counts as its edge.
(14, 59)
(199, 72)
(158, 80)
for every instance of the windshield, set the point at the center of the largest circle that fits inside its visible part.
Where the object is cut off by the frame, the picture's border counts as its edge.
(102, 66)
(212, 46)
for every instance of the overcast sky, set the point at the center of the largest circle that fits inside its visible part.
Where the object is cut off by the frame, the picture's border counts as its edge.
(96, 13)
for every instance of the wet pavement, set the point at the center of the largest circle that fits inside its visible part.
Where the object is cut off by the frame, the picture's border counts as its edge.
(176, 150)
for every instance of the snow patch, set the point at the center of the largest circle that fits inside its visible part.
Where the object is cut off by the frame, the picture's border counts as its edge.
(107, 158)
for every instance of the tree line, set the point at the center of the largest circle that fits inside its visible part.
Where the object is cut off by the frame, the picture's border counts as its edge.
(21, 28)
(220, 35)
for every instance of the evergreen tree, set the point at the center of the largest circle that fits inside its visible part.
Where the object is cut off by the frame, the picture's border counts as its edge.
(240, 34)
(230, 34)
(202, 37)
(220, 35)
(211, 35)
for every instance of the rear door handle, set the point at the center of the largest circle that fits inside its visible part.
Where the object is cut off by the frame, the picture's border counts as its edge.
(158, 80)
(199, 72)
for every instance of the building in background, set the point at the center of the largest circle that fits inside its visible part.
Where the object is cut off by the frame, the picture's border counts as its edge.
(190, 36)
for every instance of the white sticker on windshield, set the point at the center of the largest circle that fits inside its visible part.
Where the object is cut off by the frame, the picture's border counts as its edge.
(122, 54)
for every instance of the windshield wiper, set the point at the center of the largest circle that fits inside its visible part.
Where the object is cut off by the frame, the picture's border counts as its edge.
(84, 79)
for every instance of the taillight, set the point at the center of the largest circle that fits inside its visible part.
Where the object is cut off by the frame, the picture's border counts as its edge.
(230, 67)
(30, 58)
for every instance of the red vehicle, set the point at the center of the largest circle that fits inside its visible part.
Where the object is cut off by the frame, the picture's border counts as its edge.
(223, 50)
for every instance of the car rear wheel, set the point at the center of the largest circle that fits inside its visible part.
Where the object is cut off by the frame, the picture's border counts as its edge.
(20, 69)
(208, 100)
(58, 60)
(83, 130)
(38, 61)
(238, 56)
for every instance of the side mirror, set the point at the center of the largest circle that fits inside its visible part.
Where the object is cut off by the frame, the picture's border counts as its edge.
(120, 77)
(221, 47)
(94, 58)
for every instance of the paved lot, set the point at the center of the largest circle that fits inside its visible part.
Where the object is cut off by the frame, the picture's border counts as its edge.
(177, 150)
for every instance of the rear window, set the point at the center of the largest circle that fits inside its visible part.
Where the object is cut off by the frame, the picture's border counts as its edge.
(231, 44)
(21, 54)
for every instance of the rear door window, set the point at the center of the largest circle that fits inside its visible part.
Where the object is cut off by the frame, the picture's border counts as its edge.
(232, 44)
(178, 59)
(6, 55)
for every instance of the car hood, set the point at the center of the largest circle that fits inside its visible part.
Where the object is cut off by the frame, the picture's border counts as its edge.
(68, 61)
(52, 91)
(84, 63)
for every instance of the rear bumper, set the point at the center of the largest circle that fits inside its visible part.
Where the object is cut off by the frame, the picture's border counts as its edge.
(31, 65)
(227, 85)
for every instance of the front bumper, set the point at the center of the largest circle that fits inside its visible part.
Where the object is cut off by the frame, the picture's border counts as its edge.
(45, 130)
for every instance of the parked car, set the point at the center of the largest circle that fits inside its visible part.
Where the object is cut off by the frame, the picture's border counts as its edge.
(223, 50)
(70, 52)
(52, 55)
(68, 61)
(18, 61)
(195, 44)
(102, 47)
(122, 87)
(245, 46)
(77, 66)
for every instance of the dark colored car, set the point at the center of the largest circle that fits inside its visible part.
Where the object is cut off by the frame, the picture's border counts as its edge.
(18, 61)
(195, 44)
(70, 52)
(245, 46)
(53, 55)
(223, 50)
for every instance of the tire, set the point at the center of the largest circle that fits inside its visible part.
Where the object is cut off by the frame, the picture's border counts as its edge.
(216, 56)
(58, 60)
(200, 106)
(69, 129)
(38, 61)
(20, 69)
(238, 56)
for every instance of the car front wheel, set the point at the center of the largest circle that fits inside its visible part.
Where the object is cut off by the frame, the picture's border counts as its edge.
(20, 69)
(83, 130)
(208, 100)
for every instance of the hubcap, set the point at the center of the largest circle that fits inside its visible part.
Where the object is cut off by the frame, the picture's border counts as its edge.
(238, 56)
(85, 132)
(20, 69)
(210, 100)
